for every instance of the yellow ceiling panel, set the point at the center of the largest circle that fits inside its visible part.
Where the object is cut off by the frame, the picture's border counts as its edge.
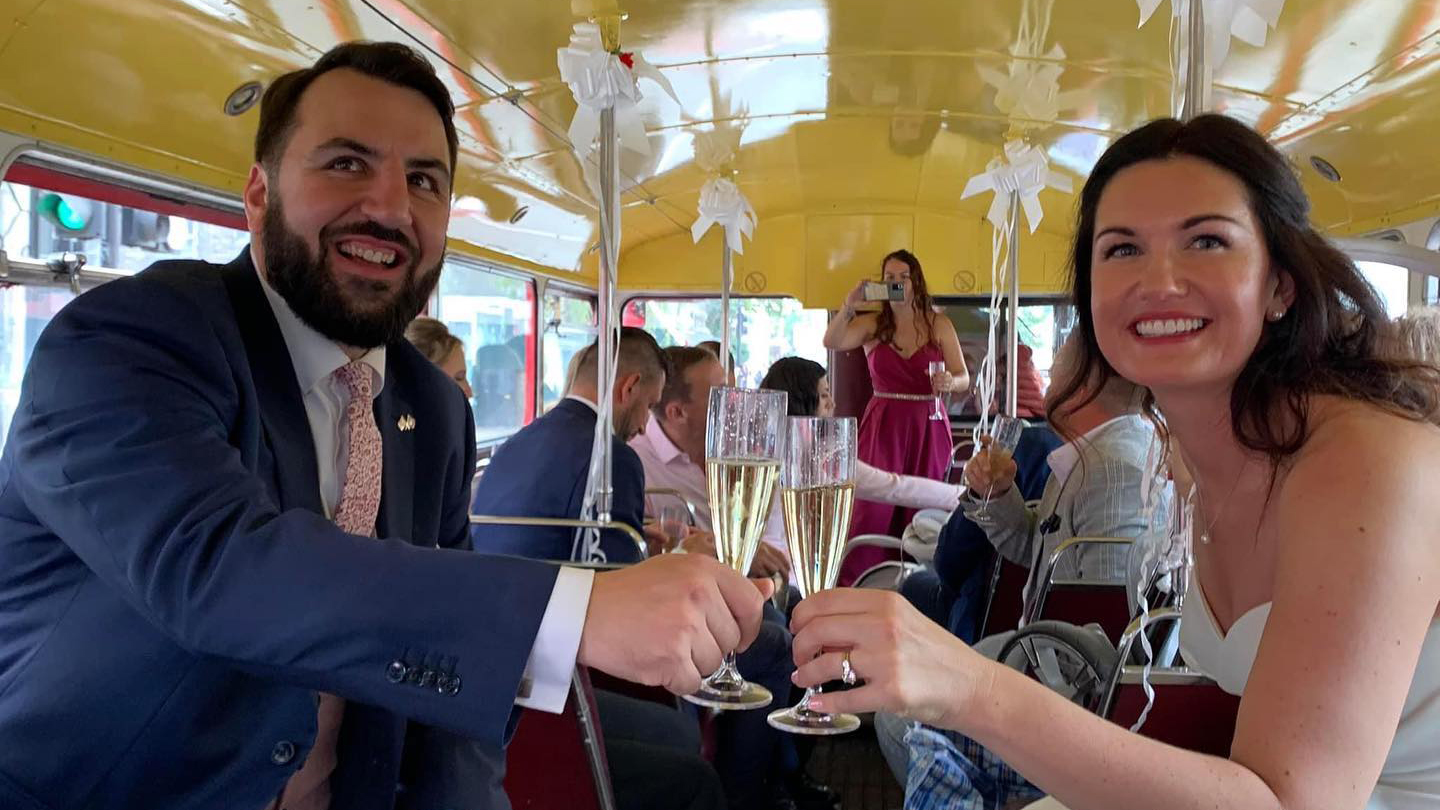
(864, 119)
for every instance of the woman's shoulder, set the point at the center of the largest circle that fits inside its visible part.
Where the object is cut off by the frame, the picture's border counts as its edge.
(1347, 427)
(1364, 456)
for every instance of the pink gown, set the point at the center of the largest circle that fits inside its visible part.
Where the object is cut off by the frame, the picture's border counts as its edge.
(897, 435)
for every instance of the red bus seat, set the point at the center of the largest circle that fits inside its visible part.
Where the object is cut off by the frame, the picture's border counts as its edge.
(558, 760)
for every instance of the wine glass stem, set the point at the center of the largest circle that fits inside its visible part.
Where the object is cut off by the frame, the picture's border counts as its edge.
(803, 707)
(727, 677)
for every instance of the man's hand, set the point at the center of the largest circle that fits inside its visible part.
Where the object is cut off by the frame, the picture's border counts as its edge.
(988, 472)
(669, 620)
(657, 542)
(769, 561)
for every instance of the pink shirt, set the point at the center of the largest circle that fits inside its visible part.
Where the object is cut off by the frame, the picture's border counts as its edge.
(669, 467)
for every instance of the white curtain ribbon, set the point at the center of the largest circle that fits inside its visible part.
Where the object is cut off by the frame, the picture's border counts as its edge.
(1249, 21)
(721, 202)
(601, 80)
(1023, 171)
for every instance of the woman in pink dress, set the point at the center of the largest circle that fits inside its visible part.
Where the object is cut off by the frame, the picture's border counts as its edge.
(896, 431)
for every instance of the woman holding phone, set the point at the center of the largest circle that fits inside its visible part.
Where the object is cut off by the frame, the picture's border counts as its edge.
(897, 434)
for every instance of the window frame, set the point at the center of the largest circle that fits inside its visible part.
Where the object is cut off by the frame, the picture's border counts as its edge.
(534, 290)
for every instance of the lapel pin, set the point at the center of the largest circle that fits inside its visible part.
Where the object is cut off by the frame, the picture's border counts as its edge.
(406, 422)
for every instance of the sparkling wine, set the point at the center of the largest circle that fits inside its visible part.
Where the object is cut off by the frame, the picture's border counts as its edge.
(741, 491)
(817, 520)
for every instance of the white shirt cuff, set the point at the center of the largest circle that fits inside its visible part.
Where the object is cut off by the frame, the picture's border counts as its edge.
(546, 682)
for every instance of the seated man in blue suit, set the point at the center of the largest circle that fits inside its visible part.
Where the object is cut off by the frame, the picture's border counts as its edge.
(543, 470)
(233, 506)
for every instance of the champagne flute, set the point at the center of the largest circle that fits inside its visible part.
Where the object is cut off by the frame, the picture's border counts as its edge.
(744, 433)
(999, 441)
(674, 523)
(936, 367)
(817, 491)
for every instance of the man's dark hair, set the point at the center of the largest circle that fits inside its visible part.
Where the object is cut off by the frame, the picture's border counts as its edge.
(677, 388)
(391, 62)
(638, 354)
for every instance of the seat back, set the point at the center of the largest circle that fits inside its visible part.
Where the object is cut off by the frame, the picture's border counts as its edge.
(1190, 711)
(558, 760)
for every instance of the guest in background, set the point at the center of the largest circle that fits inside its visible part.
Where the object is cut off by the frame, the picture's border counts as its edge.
(897, 435)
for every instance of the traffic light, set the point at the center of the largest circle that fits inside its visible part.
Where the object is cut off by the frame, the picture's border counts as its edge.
(72, 217)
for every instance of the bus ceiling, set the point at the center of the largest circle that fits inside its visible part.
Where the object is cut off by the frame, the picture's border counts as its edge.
(858, 123)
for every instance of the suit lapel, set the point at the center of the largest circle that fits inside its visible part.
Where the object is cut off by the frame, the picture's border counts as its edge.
(396, 420)
(282, 407)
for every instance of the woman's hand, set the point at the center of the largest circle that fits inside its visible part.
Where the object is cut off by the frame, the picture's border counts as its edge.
(856, 296)
(941, 382)
(909, 665)
(985, 472)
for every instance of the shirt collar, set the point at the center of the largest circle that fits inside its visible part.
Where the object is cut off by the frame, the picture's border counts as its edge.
(314, 356)
(1064, 458)
(584, 401)
(665, 450)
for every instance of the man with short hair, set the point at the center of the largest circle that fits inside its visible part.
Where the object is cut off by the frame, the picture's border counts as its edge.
(544, 469)
(233, 505)
(672, 447)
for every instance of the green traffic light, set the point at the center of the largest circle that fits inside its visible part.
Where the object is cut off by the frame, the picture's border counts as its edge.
(64, 214)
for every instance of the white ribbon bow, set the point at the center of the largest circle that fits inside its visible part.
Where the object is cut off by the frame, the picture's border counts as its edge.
(1023, 171)
(1246, 20)
(1030, 89)
(721, 202)
(601, 80)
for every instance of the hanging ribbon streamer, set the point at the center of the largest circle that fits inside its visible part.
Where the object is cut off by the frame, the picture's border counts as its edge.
(1023, 172)
(1029, 92)
(722, 203)
(1167, 558)
(604, 82)
(1249, 21)
(602, 79)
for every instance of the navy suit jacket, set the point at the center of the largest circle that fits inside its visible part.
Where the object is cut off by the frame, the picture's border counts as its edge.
(963, 552)
(172, 596)
(542, 471)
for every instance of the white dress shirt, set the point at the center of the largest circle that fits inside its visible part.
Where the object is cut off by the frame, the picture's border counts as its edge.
(315, 359)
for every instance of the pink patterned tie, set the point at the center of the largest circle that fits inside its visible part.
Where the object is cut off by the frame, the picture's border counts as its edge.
(309, 788)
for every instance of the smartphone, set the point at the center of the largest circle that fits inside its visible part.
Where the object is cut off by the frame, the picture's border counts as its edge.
(892, 291)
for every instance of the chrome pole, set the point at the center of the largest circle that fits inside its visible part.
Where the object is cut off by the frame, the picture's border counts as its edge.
(1196, 88)
(1012, 335)
(606, 348)
(726, 273)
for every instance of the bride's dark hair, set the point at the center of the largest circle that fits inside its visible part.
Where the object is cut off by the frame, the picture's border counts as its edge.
(1330, 341)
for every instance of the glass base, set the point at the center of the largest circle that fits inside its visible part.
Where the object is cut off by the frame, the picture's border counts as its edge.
(797, 721)
(745, 696)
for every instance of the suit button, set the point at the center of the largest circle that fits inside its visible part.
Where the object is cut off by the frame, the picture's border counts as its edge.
(395, 673)
(282, 753)
(413, 675)
(448, 685)
(429, 678)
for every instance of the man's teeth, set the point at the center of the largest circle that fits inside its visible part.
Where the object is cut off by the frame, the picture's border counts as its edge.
(1172, 326)
(385, 257)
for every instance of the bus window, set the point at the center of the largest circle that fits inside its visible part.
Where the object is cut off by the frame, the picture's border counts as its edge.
(762, 330)
(494, 314)
(1391, 282)
(24, 312)
(569, 327)
(48, 215)
(1044, 325)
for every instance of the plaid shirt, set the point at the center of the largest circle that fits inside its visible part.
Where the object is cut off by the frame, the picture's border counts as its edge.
(949, 771)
